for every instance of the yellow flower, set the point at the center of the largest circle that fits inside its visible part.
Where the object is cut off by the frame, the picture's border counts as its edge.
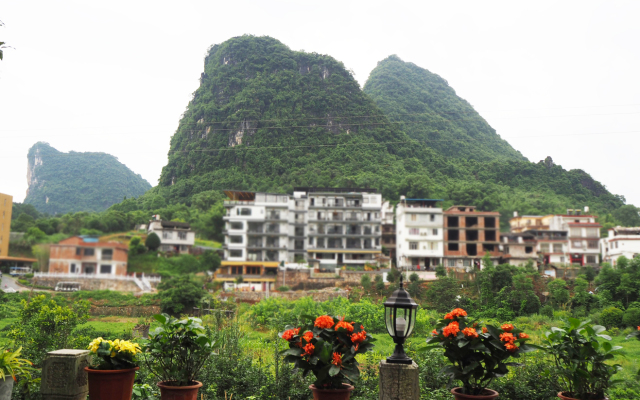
(113, 354)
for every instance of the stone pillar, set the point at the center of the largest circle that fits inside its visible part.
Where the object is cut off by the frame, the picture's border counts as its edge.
(63, 375)
(399, 381)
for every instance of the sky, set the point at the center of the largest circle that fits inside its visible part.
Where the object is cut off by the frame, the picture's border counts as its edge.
(556, 79)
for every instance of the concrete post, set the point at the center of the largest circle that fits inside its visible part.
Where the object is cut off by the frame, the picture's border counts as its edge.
(63, 375)
(399, 381)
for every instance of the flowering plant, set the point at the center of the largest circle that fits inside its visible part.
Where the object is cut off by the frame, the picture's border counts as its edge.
(11, 365)
(328, 349)
(478, 354)
(114, 354)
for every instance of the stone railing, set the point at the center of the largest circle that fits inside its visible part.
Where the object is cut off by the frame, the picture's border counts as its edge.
(96, 276)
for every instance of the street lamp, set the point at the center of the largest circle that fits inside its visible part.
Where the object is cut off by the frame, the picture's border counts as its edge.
(400, 318)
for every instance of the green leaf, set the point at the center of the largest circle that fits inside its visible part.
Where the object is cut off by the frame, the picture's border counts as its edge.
(334, 370)
(160, 318)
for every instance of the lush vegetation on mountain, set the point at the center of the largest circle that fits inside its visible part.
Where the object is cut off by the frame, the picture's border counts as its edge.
(426, 108)
(68, 182)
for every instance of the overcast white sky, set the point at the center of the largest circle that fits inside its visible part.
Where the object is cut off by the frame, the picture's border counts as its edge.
(555, 79)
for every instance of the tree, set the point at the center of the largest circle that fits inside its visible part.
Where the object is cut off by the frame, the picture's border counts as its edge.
(441, 271)
(442, 294)
(180, 294)
(365, 282)
(559, 292)
(627, 215)
(152, 242)
(136, 247)
(209, 261)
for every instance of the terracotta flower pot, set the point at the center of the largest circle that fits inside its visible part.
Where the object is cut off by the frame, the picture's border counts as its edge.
(332, 394)
(488, 394)
(168, 392)
(567, 396)
(114, 384)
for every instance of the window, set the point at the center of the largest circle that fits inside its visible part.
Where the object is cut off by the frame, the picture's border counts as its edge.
(72, 268)
(235, 239)
(435, 232)
(167, 235)
(544, 247)
(592, 244)
(182, 235)
(235, 253)
(413, 217)
(237, 225)
(593, 232)
(236, 270)
(451, 263)
(528, 249)
(105, 269)
(591, 260)
(466, 263)
(576, 243)
(414, 231)
(433, 245)
(452, 247)
(413, 245)
(253, 270)
(561, 259)
(107, 254)
(575, 232)
(432, 217)
(244, 211)
(89, 252)
(557, 248)
(78, 251)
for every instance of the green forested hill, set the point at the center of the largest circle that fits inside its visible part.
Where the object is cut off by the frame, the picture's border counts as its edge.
(69, 182)
(427, 109)
(269, 118)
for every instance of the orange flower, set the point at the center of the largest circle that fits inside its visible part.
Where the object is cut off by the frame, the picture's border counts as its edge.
(639, 328)
(511, 347)
(484, 329)
(470, 332)
(308, 335)
(451, 330)
(523, 335)
(309, 349)
(290, 333)
(434, 332)
(337, 359)
(507, 337)
(359, 337)
(344, 325)
(458, 312)
(324, 322)
(475, 325)
(507, 327)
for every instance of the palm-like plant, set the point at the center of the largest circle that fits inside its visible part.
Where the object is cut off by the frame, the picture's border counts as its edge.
(12, 365)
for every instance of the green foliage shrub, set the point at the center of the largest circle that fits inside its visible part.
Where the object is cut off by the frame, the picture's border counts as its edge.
(152, 242)
(365, 282)
(611, 317)
(180, 294)
(284, 289)
(414, 277)
(631, 317)
(393, 275)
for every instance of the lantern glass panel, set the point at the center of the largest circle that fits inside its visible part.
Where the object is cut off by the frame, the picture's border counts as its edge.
(402, 321)
(412, 321)
(388, 311)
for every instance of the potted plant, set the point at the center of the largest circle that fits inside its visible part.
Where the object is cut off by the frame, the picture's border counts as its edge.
(176, 352)
(113, 369)
(327, 348)
(11, 366)
(478, 354)
(581, 353)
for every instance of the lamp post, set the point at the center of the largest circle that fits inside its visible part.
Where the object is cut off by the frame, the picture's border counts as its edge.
(400, 318)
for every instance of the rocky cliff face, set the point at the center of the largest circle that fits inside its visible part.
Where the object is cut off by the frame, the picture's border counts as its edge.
(69, 182)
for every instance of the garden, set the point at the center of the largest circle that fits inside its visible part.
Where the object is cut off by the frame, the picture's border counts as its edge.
(262, 351)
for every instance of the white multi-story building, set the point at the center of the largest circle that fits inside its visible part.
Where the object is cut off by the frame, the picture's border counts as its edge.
(175, 237)
(621, 241)
(419, 233)
(332, 227)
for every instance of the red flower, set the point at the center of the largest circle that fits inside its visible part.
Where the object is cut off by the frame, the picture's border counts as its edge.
(484, 329)
(507, 327)
(451, 330)
(458, 312)
(290, 333)
(434, 332)
(344, 325)
(470, 332)
(507, 337)
(324, 322)
(359, 337)
(523, 335)
(337, 359)
(511, 347)
(309, 349)
(308, 335)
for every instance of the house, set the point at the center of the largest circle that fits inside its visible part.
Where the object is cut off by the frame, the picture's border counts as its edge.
(518, 248)
(86, 255)
(469, 235)
(620, 241)
(580, 243)
(419, 233)
(331, 227)
(389, 231)
(175, 237)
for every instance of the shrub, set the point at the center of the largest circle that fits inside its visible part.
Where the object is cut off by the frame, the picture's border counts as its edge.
(414, 277)
(547, 311)
(284, 288)
(178, 295)
(611, 317)
(152, 242)
(631, 317)
(365, 282)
